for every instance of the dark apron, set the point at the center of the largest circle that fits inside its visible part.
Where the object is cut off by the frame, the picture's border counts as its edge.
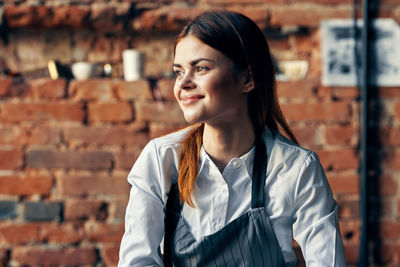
(248, 240)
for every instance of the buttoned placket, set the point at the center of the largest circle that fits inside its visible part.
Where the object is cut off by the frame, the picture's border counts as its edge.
(222, 197)
(220, 202)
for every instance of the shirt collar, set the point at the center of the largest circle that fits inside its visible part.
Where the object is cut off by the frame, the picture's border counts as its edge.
(248, 159)
(268, 136)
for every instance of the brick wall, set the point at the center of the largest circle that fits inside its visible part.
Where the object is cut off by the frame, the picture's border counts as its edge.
(66, 146)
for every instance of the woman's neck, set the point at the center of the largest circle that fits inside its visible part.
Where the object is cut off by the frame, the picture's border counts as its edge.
(227, 141)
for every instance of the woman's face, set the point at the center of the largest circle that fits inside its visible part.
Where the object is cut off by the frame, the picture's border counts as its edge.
(207, 87)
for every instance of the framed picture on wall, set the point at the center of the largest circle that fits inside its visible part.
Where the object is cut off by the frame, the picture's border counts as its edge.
(341, 52)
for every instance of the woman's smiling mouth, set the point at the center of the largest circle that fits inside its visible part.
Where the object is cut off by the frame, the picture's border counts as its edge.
(190, 99)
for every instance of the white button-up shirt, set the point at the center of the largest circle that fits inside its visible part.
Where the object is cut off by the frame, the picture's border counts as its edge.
(298, 200)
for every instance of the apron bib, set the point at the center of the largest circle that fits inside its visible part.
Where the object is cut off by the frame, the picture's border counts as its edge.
(248, 240)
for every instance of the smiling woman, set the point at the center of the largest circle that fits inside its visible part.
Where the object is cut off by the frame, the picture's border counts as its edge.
(229, 190)
(206, 87)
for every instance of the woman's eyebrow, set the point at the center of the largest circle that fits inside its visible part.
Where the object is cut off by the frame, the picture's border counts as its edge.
(194, 62)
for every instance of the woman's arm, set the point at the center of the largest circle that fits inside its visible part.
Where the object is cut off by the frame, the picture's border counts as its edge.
(316, 227)
(144, 219)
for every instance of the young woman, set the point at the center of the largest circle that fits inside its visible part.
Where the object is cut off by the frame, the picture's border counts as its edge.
(229, 190)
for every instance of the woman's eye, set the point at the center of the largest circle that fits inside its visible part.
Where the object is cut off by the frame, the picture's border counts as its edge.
(201, 69)
(178, 73)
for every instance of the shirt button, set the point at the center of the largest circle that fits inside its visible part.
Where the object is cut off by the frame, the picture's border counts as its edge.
(217, 225)
(236, 163)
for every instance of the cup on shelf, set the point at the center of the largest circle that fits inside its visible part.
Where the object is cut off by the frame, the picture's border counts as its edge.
(132, 60)
(83, 70)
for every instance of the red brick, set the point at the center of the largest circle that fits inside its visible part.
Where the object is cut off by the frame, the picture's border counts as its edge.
(344, 184)
(84, 209)
(167, 18)
(349, 209)
(18, 233)
(93, 185)
(333, 111)
(24, 186)
(74, 16)
(61, 233)
(5, 85)
(396, 14)
(110, 255)
(104, 233)
(351, 253)
(47, 89)
(341, 135)
(323, 2)
(10, 158)
(19, 15)
(325, 92)
(110, 112)
(388, 2)
(308, 136)
(297, 89)
(101, 15)
(54, 256)
(12, 135)
(126, 159)
(133, 90)
(389, 230)
(398, 208)
(248, 2)
(387, 185)
(385, 206)
(92, 160)
(303, 44)
(281, 49)
(390, 254)
(45, 135)
(93, 89)
(350, 231)
(396, 113)
(109, 49)
(306, 15)
(390, 136)
(4, 257)
(338, 159)
(346, 92)
(158, 129)
(107, 135)
(18, 112)
(168, 112)
(389, 92)
(117, 210)
(392, 160)
(165, 89)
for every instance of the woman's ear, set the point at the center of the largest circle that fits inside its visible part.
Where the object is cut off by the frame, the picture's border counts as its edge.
(249, 83)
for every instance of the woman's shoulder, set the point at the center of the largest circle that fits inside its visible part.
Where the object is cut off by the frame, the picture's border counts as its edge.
(280, 147)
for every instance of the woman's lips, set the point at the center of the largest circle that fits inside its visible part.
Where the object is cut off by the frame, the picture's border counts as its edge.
(190, 99)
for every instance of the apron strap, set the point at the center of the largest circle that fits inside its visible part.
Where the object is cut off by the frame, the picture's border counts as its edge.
(172, 212)
(259, 174)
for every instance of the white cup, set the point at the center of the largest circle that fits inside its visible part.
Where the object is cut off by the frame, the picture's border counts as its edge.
(83, 70)
(133, 64)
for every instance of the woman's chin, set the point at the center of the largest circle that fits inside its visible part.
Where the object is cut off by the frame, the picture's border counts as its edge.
(190, 118)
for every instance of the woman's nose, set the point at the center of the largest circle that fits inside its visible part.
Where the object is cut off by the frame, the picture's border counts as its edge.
(187, 82)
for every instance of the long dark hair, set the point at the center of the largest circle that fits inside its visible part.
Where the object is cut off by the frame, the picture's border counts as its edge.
(240, 39)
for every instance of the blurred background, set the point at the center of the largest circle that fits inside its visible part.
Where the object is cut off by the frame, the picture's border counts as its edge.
(86, 84)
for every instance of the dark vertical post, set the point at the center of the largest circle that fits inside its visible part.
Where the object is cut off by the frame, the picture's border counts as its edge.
(363, 252)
